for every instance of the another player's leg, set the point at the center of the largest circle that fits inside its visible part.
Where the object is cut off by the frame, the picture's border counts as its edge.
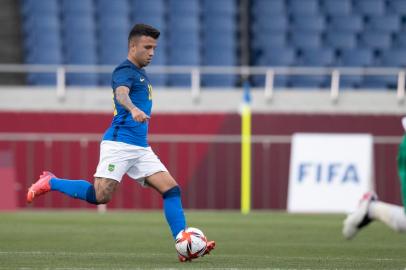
(391, 215)
(402, 170)
(360, 217)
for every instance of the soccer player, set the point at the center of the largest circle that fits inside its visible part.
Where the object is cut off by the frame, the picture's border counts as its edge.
(370, 208)
(124, 148)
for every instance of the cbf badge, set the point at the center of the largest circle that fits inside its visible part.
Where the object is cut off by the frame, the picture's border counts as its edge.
(111, 167)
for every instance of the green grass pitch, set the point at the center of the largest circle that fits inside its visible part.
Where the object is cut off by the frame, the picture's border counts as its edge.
(141, 240)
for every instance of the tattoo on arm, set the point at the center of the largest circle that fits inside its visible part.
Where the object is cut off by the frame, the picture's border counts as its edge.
(123, 98)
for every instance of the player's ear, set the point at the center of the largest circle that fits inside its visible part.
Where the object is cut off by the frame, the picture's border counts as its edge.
(131, 43)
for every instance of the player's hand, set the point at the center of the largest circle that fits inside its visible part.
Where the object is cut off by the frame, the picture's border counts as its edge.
(139, 115)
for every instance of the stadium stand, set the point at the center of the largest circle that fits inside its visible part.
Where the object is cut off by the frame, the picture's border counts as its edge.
(79, 39)
(206, 33)
(153, 12)
(42, 37)
(11, 50)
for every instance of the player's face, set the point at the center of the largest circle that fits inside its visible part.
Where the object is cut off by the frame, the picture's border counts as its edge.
(142, 50)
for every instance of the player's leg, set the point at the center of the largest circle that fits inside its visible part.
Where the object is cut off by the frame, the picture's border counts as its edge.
(78, 189)
(166, 185)
(360, 217)
(99, 193)
(110, 170)
(402, 169)
(391, 215)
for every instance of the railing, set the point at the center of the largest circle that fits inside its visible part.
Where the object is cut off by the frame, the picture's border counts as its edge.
(196, 72)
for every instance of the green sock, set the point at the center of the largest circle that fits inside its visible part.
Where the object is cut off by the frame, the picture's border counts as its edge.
(402, 169)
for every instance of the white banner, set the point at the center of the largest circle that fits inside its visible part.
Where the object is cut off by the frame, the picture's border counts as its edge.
(329, 172)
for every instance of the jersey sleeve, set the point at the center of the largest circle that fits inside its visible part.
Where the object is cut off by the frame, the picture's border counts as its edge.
(122, 77)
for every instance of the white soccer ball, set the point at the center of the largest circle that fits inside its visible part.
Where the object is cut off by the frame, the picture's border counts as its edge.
(191, 243)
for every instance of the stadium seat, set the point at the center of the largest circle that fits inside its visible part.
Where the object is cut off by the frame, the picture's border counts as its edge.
(271, 23)
(113, 8)
(182, 57)
(278, 56)
(83, 56)
(358, 57)
(225, 7)
(77, 7)
(39, 40)
(112, 24)
(47, 79)
(187, 38)
(305, 39)
(376, 82)
(369, 7)
(345, 23)
(215, 23)
(219, 39)
(43, 55)
(184, 22)
(150, 7)
(387, 23)
(213, 80)
(399, 40)
(318, 57)
(75, 23)
(40, 24)
(309, 81)
(265, 39)
(156, 21)
(279, 80)
(183, 7)
(35, 7)
(312, 23)
(314, 57)
(296, 7)
(394, 58)
(266, 7)
(334, 7)
(397, 7)
(214, 58)
(152, 12)
(340, 40)
(376, 40)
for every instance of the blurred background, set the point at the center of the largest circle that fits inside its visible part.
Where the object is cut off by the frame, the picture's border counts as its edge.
(314, 66)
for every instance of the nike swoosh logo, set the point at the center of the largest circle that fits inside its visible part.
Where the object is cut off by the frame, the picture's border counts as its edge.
(142, 79)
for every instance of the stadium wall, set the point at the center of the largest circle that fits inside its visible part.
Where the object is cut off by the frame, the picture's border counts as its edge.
(208, 173)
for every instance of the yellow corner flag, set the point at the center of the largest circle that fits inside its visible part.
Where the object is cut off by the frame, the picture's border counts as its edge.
(246, 151)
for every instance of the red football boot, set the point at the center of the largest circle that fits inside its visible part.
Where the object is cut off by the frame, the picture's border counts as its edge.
(40, 187)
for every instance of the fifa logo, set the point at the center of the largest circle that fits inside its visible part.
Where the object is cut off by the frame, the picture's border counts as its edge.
(327, 173)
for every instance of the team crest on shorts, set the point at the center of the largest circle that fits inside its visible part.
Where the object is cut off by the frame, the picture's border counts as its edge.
(111, 167)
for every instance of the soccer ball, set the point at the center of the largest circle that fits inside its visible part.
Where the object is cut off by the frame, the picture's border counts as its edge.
(191, 243)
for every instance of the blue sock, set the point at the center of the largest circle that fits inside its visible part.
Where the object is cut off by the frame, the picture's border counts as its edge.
(78, 189)
(173, 210)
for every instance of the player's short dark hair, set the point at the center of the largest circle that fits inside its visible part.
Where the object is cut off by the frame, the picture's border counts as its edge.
(143, 30)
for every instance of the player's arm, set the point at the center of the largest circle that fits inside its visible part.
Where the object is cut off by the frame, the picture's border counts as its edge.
(124, 99)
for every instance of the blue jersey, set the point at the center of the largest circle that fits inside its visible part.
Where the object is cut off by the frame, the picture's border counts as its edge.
(124, 128)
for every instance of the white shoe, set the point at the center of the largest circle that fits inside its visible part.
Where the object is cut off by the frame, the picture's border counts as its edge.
(359, 218)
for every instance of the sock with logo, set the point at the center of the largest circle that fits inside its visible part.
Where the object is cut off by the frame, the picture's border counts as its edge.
(174, 211)
(78, 189)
